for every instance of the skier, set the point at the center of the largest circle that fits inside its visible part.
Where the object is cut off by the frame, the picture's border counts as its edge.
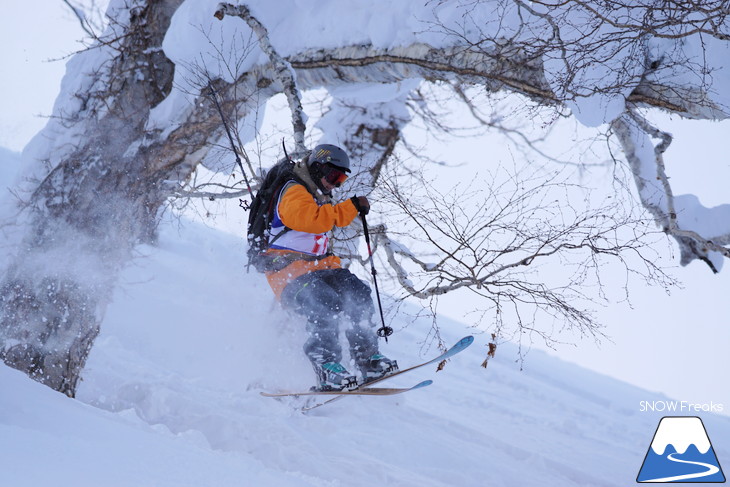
(309, 279)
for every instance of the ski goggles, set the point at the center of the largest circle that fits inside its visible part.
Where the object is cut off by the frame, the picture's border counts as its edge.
(334, 176)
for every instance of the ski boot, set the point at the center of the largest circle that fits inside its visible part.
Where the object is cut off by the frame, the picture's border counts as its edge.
(334, 377)
(376, 367)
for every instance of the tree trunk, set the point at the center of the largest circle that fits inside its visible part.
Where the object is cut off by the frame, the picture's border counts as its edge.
(88, 212)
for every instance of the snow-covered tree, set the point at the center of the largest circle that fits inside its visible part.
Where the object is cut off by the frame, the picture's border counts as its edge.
(135, 118)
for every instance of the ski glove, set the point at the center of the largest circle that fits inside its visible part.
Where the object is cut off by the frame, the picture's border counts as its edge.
(362, 205)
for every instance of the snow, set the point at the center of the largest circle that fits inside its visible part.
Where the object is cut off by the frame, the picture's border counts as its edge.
(170, 396)
(590, 93)
(705, 65)
(692, 215)
(593, 85)
(48, 439)
(378, 104)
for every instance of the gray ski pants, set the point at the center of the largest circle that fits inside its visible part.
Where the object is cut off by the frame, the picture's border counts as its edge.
(325, 298)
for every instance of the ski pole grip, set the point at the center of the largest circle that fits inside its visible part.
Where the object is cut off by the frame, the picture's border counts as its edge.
(362, 209)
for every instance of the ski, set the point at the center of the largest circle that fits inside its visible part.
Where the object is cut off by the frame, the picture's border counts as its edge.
(425, 383)
(370, 391)
(460, 346)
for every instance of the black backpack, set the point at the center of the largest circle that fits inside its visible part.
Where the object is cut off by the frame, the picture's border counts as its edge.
(261, 213)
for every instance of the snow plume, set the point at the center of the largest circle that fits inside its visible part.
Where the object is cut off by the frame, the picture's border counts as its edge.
(53, 297)
(11, 221)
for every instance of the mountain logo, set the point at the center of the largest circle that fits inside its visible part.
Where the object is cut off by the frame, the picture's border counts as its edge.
(681, 452)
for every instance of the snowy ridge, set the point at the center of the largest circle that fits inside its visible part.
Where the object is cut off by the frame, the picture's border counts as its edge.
(189, 342)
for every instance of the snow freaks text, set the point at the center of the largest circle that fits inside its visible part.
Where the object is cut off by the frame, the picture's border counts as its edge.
(680, 407)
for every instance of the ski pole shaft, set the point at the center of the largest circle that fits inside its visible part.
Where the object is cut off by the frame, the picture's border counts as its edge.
(384, 331)
(230, 138)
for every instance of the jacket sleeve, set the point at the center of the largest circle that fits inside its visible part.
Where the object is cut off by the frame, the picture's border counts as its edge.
(299, 211)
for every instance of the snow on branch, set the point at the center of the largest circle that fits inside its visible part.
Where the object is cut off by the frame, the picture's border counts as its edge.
(655, 190)
(282, 69)
(675, 19)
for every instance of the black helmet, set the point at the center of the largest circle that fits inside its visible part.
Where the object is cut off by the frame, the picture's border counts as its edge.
(329, 154)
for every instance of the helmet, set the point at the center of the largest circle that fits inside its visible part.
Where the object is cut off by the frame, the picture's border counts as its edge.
(329, 154)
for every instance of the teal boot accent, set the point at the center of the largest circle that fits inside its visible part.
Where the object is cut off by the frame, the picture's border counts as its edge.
(334, 377)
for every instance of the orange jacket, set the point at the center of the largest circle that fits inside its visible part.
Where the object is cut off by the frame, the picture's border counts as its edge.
(299, 211)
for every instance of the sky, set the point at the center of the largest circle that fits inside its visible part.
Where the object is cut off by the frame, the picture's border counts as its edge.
(674, 344)
(31, 79)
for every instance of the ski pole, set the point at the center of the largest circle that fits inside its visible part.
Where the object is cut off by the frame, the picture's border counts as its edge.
(230, 138)
(384, 331)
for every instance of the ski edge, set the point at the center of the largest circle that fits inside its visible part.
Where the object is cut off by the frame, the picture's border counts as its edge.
(363, 391)
(340, 396)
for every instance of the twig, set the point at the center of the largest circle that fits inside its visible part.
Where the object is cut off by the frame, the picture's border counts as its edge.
(282, 69)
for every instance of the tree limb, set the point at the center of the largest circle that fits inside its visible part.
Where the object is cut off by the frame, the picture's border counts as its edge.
(282, 69)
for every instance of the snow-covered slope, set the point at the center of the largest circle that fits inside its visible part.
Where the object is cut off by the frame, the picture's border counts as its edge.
(191, 339)
(47, 439)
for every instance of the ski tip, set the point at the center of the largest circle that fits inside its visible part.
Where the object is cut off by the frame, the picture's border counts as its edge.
(422, 384)
(466, 341)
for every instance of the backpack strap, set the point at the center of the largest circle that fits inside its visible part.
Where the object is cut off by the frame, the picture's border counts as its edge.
(271, 211)
(298, 174)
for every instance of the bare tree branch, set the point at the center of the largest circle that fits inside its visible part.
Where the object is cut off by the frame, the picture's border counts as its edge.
(487, 236)
(282, 69)
(83, 19)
